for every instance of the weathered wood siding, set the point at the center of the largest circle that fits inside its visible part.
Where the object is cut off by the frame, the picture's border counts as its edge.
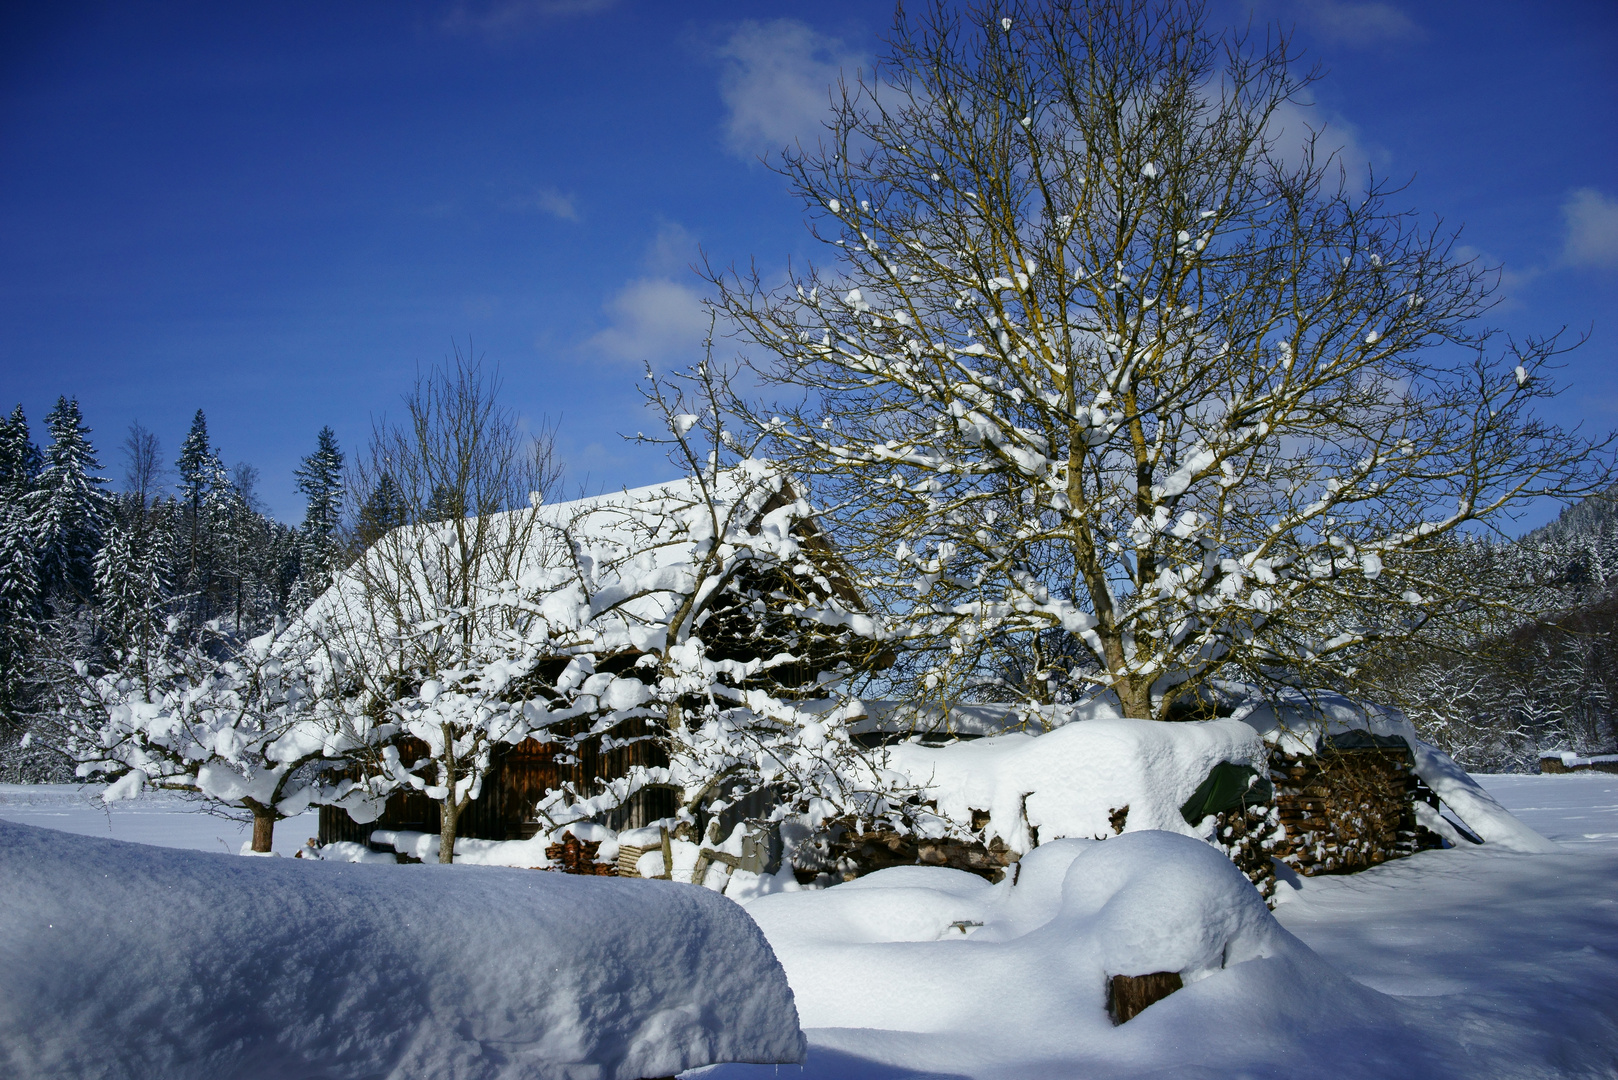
(519, 776)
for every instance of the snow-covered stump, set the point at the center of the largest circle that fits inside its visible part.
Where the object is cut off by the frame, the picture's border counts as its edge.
(127, 961)
(1129, 995)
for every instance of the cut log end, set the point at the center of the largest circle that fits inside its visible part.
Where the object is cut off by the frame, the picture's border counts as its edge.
(1127, 995)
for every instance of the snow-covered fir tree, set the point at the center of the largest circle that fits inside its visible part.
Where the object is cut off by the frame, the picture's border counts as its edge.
(20, 459)
(19, 609)
(67, 509)
(320, 478)
(201, 474)
(131, 584)
(384, 509)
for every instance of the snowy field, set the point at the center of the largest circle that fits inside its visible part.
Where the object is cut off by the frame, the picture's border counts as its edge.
(160, 818)
(1465, 963)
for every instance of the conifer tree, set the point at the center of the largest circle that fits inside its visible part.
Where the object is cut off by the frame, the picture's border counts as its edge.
(131, 585)
(200, 471)
(67, 508)
(320, 478)
(19, 607)
(20, 459)
(384, 510)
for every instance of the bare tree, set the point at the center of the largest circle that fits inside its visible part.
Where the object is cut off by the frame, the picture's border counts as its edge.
(1099, 355)
(144, 469)
(431, 616)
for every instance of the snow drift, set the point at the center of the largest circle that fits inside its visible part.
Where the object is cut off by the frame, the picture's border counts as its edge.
(933, 950)
(121, 960)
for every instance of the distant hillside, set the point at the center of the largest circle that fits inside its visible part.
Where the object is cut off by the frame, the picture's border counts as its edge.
(1582, 545)
(1548, 684)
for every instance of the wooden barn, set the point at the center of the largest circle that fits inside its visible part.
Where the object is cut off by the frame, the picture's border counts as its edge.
(748, 620)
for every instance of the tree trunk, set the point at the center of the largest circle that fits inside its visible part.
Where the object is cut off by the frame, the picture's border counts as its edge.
(263, 827)
(1135, 697)
(449, 810)
(448, 815)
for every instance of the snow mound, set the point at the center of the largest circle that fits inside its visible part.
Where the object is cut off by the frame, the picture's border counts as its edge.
(939, 951)
(931, 950)
(1296, 721)
(121, 960)
(1068, 782)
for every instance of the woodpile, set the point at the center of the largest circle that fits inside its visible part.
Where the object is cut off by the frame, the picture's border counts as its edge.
(1575, 763)
(575, 856)
(1249, 836)
(844, 853)
(1346, 809)
(628, 856)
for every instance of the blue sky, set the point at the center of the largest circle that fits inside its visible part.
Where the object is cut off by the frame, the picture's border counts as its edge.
(277, 212)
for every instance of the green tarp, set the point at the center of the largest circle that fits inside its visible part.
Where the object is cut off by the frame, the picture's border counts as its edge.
(1227, 787)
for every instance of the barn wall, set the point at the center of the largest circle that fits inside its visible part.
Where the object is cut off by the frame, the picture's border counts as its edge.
(519, 776)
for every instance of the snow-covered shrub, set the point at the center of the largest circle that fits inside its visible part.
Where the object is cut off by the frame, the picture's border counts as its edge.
(249, 726)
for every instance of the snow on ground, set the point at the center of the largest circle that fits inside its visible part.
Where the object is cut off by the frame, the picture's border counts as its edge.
(162, 818)
(128, 961)
(1457, 964)
(1474, 962)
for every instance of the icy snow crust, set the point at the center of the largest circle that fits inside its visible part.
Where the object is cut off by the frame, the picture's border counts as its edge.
(122, 960)
(1066, 782)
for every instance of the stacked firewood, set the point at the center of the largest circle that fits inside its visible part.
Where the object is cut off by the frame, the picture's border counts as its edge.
(843, 852)
(1250, 835)
(575, 856)
(1345, 809)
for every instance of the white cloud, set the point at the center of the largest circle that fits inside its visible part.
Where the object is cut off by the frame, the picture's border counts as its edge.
(501, 18)
(656, 318)
(776, 82)
(1291, 124)
(1592, 229)
(671, 250)
(1355, 23)
(546, 200)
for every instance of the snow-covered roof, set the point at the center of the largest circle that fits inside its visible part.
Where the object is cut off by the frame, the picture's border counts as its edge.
(619, 563)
